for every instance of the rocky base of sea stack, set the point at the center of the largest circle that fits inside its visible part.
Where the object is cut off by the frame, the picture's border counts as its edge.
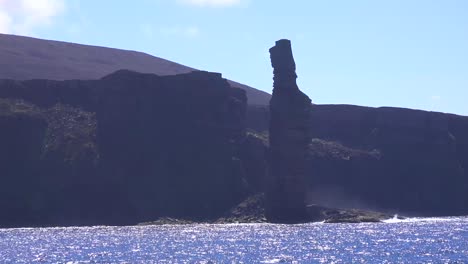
(252, 210)
(336, 215)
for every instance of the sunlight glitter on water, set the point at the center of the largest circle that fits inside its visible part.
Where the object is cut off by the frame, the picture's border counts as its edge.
(410, 240)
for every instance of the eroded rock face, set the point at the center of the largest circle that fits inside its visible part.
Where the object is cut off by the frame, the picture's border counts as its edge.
(124, 149)
(22, 129)
(395, 159)
(170, 148)
(289, 139)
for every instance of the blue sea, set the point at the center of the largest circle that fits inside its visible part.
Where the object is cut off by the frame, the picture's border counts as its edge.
(416, 240)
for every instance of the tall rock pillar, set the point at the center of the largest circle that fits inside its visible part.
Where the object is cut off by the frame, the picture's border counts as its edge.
(289, 140)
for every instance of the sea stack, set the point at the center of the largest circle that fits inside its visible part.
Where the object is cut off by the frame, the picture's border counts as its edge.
(289, 140)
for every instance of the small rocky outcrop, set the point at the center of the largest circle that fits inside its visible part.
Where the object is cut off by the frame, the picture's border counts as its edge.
(251, 210)
(289, 139)
(339, 215)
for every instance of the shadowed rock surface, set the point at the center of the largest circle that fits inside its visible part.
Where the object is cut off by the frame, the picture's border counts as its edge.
(124, 149)
(26, 58)
(389, 159)
(252, 210)
(289, 138)
(401, 160)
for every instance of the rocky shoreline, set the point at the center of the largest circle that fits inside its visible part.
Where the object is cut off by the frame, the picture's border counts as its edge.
(252, 211)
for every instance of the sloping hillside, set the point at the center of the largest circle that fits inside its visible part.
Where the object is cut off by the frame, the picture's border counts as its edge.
(23, 58)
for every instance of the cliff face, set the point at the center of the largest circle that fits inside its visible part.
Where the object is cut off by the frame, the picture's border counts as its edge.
(124, 149)
(394, 159)
(404, 160)
(171, 149)
(289, 138)
(22, 132)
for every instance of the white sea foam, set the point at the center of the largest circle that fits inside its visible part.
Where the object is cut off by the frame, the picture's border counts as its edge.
(397, 219)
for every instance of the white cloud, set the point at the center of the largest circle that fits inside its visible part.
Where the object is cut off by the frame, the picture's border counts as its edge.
(435, 98)
(23, 16)
(211, 3)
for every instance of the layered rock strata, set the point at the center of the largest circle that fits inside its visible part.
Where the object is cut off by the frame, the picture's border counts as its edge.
(289, 140)
(120, 150)
(393, 159)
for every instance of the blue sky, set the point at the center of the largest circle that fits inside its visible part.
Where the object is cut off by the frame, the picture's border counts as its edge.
(403, 53)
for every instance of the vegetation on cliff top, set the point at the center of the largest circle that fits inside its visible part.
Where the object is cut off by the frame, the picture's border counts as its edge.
(71, 132)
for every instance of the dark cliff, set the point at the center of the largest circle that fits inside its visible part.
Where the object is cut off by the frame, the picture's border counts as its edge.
(289, 136)
(391, 159)
(398, 159)
(124, 149)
